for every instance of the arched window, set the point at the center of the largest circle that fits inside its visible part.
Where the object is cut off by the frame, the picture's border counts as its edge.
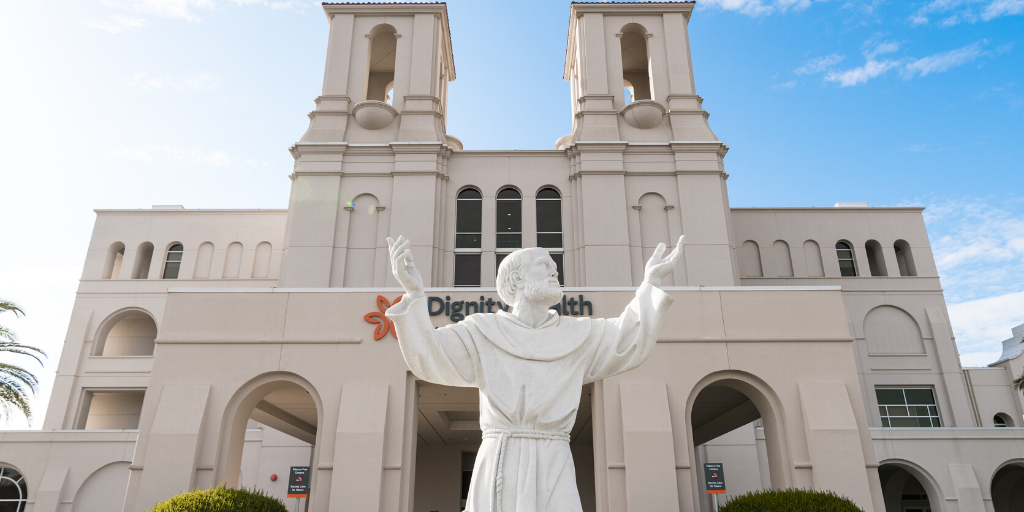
(112, 266)
(636, 74)
(876, 262)
(204, 260)
(261, 262)
(468, 215)
(509, 228)
(783, 259)
(173, 262)
(143, 259)
(233, 261)
(549, 226)
(844, 252)
(1002, 420)
(13, 490)
(812, 257)
(905, 258)
(383, 45)
(750, 259)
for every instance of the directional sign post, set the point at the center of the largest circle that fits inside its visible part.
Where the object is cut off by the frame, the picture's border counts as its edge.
(714, 480)
(298, 484)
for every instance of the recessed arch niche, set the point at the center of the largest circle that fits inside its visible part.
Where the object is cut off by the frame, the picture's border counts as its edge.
(129, 332)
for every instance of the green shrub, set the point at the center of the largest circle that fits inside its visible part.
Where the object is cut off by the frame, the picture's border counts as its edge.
(790, 500)
(221, 499)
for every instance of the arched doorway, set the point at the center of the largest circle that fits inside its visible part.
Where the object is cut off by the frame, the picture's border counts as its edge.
(1008, 487)
(271, 424)
(737, 420)
(908, 488)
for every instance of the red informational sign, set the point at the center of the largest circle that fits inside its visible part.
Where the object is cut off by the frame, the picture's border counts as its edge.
(298, 482)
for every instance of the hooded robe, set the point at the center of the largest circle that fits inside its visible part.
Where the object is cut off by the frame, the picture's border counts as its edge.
(530, 381)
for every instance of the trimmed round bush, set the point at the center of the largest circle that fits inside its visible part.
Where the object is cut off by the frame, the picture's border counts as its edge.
(790, 500)
(221, 499)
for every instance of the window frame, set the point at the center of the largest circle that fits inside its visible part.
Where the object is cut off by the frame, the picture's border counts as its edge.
(498, 200)
(20, 484)
(168, 261)
(561, 234)
(885, 416)
(852, 259)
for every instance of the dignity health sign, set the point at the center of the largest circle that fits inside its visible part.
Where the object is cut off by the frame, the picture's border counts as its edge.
(457, 310)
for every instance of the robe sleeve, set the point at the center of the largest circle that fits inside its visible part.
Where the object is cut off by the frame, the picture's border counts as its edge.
(445, 356)
(625, 342)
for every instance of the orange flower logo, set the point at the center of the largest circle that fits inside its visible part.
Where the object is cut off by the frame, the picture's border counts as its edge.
(377, 317)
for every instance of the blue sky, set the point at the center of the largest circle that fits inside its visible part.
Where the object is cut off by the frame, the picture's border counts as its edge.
(130, 103)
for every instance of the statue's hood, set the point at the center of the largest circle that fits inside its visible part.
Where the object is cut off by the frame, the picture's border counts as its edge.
(555, 339)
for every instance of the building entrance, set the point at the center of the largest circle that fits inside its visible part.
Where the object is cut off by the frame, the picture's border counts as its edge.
(449, 436)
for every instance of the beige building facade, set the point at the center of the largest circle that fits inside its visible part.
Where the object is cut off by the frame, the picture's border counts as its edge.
(806, 347)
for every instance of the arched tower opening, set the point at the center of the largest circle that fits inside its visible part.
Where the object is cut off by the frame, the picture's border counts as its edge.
(380, 76)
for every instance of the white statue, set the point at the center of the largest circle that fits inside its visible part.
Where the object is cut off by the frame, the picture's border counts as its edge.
(529, 365)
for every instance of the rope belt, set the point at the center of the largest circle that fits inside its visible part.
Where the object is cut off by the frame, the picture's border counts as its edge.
(503, 435)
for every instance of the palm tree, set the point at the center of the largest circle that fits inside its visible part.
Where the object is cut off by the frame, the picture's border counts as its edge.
(17, 384)
(1018, 383)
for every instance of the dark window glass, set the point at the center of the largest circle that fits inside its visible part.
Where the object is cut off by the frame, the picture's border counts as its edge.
(173, 262)
(467, 270)
(549, 219)
(998, 421)
(549, 240)
(558, 265)
(846, 265)
(469, 208)
(498, 258)
(13, 491)
(548, 193)
(509, 220)
(907, 408)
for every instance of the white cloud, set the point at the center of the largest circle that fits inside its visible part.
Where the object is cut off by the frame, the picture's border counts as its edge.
(195, 155)
(819, 64)
(978, 246)
(1002, 8)
(944, 61)
(981, 325)
(165, 84)
(965, 11)
(882, 48)
(188, 9)
(116, 24)
(785, 85)
(862, 74)
(758, 7)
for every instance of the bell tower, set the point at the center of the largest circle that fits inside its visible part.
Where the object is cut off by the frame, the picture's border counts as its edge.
(376, 145)
(639, 131)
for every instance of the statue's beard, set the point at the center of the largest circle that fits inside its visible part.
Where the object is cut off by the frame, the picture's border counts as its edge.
(542, 292)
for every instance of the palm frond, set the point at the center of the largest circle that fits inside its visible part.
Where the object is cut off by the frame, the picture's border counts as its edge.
(1018, 383)
(6, 305)
(14, 395)
(12, 347)
(7, 334)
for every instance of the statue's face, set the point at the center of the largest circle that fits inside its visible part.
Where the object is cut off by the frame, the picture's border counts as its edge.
(540, 278)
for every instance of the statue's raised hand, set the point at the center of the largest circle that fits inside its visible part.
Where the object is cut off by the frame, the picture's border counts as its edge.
(658, 267)
(403, 267)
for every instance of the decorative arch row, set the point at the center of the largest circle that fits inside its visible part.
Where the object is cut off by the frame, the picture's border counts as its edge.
(909, 486)
(174, 254)
(751, 266)
(508, 229)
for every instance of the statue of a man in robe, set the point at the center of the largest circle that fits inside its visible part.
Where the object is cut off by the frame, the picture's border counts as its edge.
(530, 365)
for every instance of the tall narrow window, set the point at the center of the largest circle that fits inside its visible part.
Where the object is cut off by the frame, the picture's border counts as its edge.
(876, 261)
(112, 266)
(846, 264)
(232, 261)
(173, 262)
(261, 261)
(143, 259)
(549, 226)
(383, 45)
(636, 75)
(905, 259)
(510, 219)
(468, 225)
